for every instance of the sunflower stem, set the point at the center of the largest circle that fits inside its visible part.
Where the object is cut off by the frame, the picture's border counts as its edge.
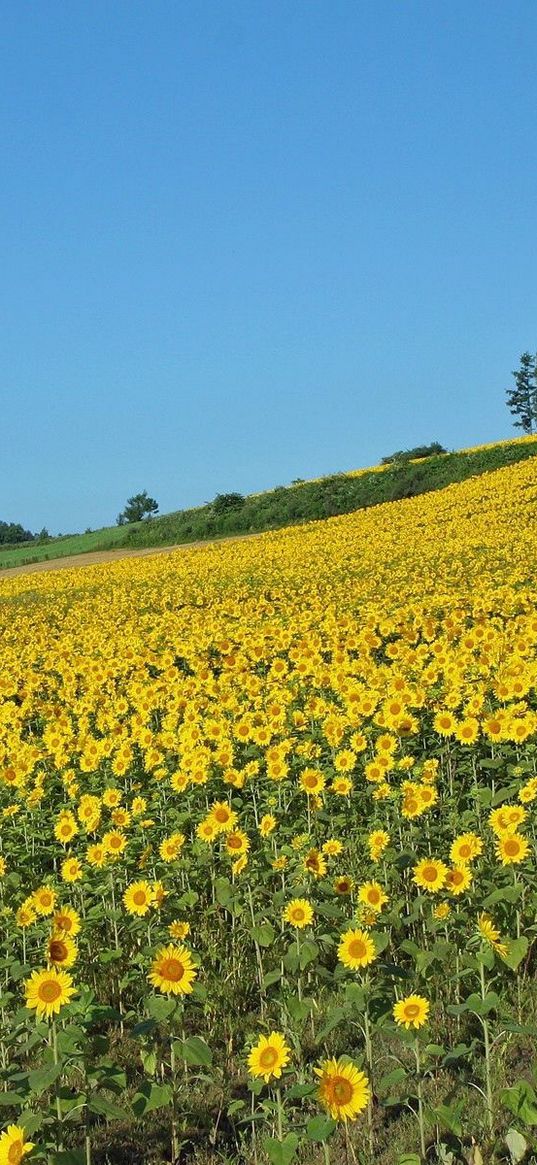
(486, 1040)
(279, 1113)
(59, 1138)
(423, 1149)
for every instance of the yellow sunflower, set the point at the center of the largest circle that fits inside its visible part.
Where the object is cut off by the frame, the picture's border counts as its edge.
(61, 951)
(411, 1012)
(430, 875)
(269, 1056)
(512, 849)
(172, 970)
(138, 898)
(47, 991)
(298, 913)
(343, 1089)
(371, 894)
(356, 949)
(14, 1146)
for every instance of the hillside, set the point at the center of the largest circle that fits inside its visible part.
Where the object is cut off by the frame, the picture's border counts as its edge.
(290, 505)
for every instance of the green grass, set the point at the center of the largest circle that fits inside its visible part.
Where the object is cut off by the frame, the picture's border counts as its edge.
(283, 506)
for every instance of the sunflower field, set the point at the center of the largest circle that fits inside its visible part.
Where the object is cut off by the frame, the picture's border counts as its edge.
(268, 845)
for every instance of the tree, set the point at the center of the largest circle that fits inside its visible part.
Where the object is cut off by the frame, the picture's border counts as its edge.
(522, 399)
(138, 507)
(225, 502)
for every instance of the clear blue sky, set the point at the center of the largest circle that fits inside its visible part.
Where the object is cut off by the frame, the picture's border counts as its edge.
(250, 240)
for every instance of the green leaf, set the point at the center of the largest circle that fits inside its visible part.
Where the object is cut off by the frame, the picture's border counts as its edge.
(160, 1008)
(320, 1128)
(448, 1116)
(409, 1159)
(43, 1078)
(30, 1121)
(517, 1145)
(224, 891)
(263, 935)
(195, 1051)
(11, 1099)
(387, 1082)
(308, 952)
(517, 948)
(151, 1096)
(521, 1101)
(272, 977)
(281, 1152)
(102, 1106)
(337, 1015)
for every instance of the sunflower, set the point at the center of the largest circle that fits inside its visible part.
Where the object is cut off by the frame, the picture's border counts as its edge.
(312, 781)
(269, 1056)
(343, 884)
(25, 915)
(172, 970)
(458, 879)
(237, 843)
(332, 848)
(430, 874)
(411, 1011)
(67, 920)
(179, 930)
(356, 949)
(371, 894)
(170, 847)
(490, 933)
(47, 991)
(14, 1146)
(71, 870)
(343, 1089)
(315, 863)
(512, 849)
(206, 830)
(223, 817)
(44, 900)
(60, 950)
(341, 786)
(138, 898)
(298, 913)
(377, 842)
(267, 824)
(442, 911)
(465, 848)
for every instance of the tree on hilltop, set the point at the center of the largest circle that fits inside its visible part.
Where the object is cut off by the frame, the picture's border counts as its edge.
(522, 399)
(138, 507)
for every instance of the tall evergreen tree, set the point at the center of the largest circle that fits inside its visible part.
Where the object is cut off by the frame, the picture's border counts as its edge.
(522, 399)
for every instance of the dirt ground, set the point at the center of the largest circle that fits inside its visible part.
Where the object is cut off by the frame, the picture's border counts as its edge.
(96, 556)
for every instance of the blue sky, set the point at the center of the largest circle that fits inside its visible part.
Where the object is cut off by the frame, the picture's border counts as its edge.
(245, 241)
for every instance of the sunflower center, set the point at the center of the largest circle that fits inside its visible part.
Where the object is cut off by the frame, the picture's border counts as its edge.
(341, 1090)
(512, 846)
(49, 991)
(139, 898)
(222, 814)
(15, 1153)
(58, 951)
(172, 970)
(268, 1057)
(465, 851)
(373, 896)
(357, 948)
(234, 842)
(298, 914)
(412, 1010)
(430, 873)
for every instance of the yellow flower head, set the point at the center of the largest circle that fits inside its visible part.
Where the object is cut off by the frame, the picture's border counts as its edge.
(47, 991)
(411, 1011)
(172, 970)
(298, 913)
(269, 1056)
(14, 1146)
(356, 949)
(343, 1089)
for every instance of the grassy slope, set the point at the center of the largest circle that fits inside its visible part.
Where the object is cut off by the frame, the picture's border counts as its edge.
(286, 505)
